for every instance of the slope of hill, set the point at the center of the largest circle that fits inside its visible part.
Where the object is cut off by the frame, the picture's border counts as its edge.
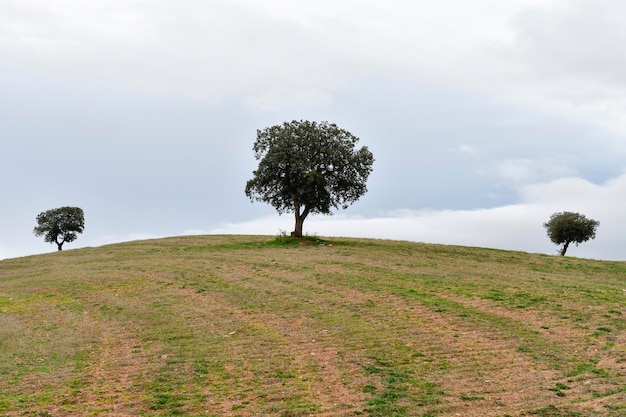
(255, 326)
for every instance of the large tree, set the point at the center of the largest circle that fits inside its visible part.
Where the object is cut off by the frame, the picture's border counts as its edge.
(308, 167)
(60, 225)
(567, 227)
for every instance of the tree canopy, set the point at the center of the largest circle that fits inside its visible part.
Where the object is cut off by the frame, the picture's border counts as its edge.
(308, 167)
(60, 225)
(567, 227)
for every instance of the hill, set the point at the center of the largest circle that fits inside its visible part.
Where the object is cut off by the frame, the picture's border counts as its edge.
(259, 326)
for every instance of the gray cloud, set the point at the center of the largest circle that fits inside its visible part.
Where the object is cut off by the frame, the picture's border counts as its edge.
(577, 40)
(566, 59)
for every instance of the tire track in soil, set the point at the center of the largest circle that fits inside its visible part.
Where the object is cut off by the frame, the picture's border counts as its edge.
(486, 364)
(115, 372)
(303, 349)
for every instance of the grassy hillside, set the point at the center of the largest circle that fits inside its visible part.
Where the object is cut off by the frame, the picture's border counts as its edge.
(252, 326)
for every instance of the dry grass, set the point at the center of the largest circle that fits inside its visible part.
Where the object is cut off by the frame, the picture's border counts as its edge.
(252, 326)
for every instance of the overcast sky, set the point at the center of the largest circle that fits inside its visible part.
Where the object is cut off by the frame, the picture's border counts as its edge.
(485, 117)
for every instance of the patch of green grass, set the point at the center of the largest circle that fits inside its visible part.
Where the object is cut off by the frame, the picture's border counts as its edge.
(553, 411)
(468, 397)
(559, 388)
(430, 393)
(608, 393)
(168, 401)
(289, 241)
(587, 368)
(280, 374)
(388, 400)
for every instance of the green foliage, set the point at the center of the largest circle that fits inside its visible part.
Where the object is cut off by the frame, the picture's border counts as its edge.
(567, 227)
(308, 167)
(60, 225)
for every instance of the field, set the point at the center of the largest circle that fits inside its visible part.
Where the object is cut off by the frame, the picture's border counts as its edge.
(263, 326)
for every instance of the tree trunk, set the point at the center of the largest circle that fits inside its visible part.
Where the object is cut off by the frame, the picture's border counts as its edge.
(298, 229)
(299, 219)
(564, 249)
(59, 244)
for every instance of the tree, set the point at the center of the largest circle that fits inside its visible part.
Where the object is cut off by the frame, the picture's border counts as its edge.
(60, 225)
(308, 167)
(567, 227)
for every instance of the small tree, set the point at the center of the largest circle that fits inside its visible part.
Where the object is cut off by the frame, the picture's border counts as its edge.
(567, 227)
(308, 167)
(60, 225)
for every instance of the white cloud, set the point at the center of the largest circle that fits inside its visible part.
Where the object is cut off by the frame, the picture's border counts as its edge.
(579, 38)
(579, 194)
(109, 239)
(559, 56)
(37, 246)
(512, 227)
(525, 170)
(565, 59)
(467, 150)
(268, 52)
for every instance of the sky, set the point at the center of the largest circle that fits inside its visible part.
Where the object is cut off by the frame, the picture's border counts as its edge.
(484, 117)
